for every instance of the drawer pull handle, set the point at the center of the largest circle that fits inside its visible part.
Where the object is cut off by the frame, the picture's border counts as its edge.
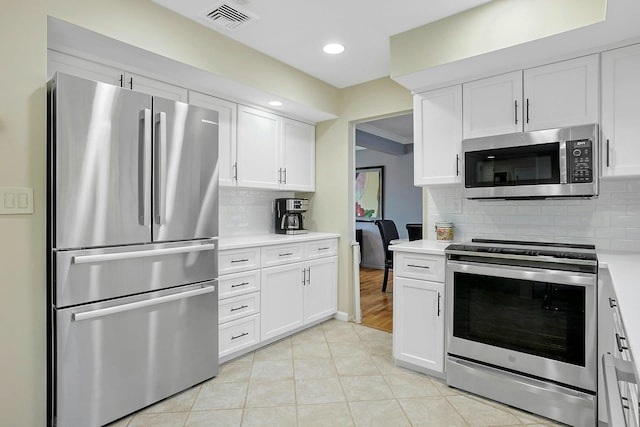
(612, 303)
(240, 336)
(240, 284)
(286, 254)
(239, 308)
(324, 249)
(239, 260)
(619, 340)
(418, 266)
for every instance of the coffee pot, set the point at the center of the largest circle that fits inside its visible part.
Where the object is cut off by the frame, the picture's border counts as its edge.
(288, 215)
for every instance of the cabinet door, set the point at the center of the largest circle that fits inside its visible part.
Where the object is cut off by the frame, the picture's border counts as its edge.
(437, 121)
(155, 87)
(418, 323)
(281, 299)
(561, 94)
(227, 112)
(258, 155)
(492, 106)
(320, 290)
(621, 111)
(69, 64)
(298, 156)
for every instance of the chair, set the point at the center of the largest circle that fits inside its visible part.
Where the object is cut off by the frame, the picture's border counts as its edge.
(414, 231)
(388, 232)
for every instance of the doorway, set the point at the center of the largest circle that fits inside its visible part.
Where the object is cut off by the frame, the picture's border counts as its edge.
(385, 143)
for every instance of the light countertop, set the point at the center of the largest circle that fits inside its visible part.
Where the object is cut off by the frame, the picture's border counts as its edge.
(431, 247)
(239, 242)
(624, 268)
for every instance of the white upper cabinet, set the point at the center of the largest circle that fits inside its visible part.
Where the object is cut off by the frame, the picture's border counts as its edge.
(57, 61)
(298, 159)
(561, 94)
(621, 112)
(550, 96)
(258, 155)
(492, 106)
(437, 122)
(227, 112)
(274, 152)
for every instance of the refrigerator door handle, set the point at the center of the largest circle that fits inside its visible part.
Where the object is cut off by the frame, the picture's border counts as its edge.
(91, 259)
(101, 312)
(160, 167)
(144, 173)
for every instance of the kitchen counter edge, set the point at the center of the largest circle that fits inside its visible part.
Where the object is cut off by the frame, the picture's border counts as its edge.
(239, 242)
(431, 247)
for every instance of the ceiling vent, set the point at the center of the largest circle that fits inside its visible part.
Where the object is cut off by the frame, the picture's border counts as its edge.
(229, 17)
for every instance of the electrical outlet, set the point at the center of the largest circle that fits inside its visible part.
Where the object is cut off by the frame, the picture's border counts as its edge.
(16, 200)
(456, 206)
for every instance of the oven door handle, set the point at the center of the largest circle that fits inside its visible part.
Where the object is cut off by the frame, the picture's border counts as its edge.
(615, 370)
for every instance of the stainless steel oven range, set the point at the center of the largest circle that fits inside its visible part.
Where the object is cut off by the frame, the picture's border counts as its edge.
(521, 325)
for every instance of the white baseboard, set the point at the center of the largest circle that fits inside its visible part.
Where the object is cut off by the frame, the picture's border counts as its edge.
(341, 315)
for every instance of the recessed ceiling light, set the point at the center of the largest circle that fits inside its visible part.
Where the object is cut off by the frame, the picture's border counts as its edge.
(333, 48)
(275, 103)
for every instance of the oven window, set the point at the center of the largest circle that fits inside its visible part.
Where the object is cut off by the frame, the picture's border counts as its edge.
(525, 165)
(542, 319)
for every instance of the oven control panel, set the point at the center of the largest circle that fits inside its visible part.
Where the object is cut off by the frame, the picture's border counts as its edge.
(580, 161)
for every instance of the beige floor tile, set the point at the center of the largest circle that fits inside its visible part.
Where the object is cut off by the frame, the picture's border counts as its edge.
(371, 334)
(341, 335)
(215, 418)
(272, 370)
(531, 419)
(386, 365)
(381, 347)
(365, 388)
(171, 419)
(271, 393)
(122, 422)
(348, 349)
(311, 350)
(477, 413)
(408, 385)
(319, 390)
(279, 350)
(245, 358)
(333, 324)
(235, 371)
(283, 416)
(445, 390)
(361, 365)
(181, 402)
(381, 413)
(314, 368)
(217, 395)
(431, 411)
(326, 415)
(314, 334)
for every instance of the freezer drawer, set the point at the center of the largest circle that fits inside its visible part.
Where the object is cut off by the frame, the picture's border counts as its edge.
(116, 357)
(97, 274)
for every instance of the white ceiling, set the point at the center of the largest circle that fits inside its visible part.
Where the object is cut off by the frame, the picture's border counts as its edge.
(294, 31)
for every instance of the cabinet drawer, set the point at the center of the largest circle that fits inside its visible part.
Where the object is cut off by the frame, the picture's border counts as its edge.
(239, 334)
(238, 307)
(236, 260)
(231, 285)
(419, 266)
(282, 254)
(321, 248)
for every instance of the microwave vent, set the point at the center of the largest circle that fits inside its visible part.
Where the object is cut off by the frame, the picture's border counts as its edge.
(228, 17)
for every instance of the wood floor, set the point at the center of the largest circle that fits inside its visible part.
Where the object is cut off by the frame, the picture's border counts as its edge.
(377, 306)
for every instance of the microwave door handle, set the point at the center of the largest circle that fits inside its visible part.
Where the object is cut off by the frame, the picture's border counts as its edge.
(563, 162)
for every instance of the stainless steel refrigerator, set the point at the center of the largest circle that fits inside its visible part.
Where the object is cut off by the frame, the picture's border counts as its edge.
(132, 242)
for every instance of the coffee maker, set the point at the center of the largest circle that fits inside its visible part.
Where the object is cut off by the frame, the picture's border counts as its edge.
(289, 219)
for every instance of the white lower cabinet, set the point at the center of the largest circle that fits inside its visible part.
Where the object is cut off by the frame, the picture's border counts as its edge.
(268, 292)
(418, 312)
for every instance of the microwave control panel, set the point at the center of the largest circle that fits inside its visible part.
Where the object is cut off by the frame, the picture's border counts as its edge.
(580, 161)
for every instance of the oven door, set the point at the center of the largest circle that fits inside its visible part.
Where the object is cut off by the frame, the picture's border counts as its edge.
(526, 320)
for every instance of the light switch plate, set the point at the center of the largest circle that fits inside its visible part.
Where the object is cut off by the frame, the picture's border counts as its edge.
(16, 200)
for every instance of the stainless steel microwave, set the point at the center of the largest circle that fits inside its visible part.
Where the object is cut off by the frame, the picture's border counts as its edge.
(533, 165)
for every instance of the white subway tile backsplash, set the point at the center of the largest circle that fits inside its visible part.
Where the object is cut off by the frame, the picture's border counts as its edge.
(247, 212)
(611, 222)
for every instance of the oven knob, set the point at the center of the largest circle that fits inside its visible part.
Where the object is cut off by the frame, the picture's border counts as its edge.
(577, 152)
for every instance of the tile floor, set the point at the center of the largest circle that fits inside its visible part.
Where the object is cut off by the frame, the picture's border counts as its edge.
(334, 374)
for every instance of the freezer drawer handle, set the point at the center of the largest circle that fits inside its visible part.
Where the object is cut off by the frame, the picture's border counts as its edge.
(90, 259)
(101, 312)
